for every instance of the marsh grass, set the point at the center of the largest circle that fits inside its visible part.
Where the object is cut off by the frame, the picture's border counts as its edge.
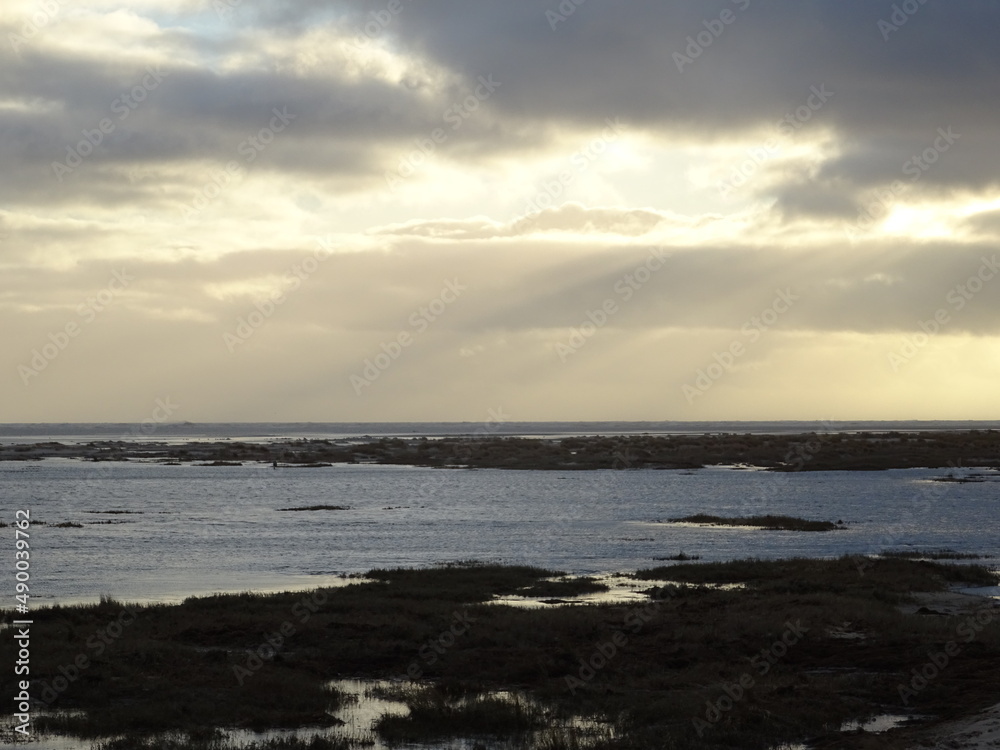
(435, 714)
(769, 523)
(859, 575)
(565, 586)
(172, 668)
(467, 581)
(941, 554)
(824, 452)
(680, 557)
(307, 508)
(218, 740)
(198, 693)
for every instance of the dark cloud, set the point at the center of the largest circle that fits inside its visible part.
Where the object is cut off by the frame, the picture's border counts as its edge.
(889, 96)
(343, 128)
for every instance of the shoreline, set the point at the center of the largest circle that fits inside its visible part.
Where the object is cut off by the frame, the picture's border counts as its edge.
(952, 450)
(619, 592)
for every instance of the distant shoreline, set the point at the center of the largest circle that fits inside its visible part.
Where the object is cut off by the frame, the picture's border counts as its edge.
(496, 424)
(813, 451)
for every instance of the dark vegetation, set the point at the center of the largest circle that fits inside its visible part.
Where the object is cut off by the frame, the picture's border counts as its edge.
(806, 452)
(174, 668)
(314, 508)
(435, 713)
(218, 741)
(940, 554)
(680, 557)
(770, 523)
(971, 478)
(568, 586)
(889, 580)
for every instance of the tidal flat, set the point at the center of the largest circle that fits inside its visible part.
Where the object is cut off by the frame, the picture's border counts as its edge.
(798, 651)
(832, 451)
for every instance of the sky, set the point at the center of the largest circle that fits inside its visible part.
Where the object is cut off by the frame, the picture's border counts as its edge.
(336, 210)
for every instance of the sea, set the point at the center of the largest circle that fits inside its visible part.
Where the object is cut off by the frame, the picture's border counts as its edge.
(146, 532)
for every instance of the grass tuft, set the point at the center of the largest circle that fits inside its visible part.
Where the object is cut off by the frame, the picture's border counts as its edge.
(769, 523)
(313, 508)
(942, 554)
(434, 715)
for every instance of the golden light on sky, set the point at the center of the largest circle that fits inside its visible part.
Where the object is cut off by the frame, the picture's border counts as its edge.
(357, 211)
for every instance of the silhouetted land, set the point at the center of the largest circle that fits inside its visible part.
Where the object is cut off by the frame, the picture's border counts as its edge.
(806, 452)
(804, 645)
(771, 523)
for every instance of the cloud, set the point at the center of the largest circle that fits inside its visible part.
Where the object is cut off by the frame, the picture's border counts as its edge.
(359, 108)
(600, 62)
(572, 218)
(986, 222)
(764, 148)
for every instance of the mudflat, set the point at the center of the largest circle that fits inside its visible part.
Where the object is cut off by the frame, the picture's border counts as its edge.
(950, 450)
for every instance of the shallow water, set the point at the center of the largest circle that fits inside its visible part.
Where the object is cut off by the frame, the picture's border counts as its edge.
(877, 724)
(874, 725)
(364, 705)
(195, 530)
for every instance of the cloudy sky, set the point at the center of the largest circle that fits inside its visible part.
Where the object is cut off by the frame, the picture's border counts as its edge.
(333, 210)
